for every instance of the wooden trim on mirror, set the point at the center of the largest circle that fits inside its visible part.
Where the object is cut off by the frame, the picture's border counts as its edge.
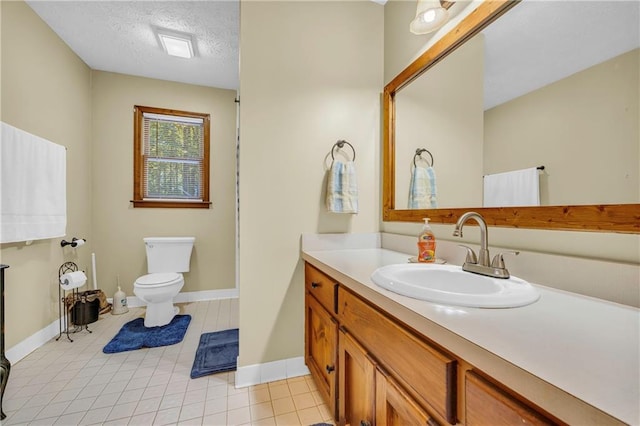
(622, 218)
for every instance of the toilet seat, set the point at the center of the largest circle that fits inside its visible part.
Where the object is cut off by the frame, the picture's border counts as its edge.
(158, 279)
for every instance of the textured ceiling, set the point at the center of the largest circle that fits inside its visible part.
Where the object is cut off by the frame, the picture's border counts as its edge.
(118, 36)
(539, 42)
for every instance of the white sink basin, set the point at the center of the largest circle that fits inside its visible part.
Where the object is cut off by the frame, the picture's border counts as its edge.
(450, 285)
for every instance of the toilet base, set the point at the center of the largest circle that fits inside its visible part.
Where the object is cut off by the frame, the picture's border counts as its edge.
(159, 314)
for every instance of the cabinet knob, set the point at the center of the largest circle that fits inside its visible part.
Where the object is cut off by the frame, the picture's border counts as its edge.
(364, 423)
(315, 284)
(330, 368)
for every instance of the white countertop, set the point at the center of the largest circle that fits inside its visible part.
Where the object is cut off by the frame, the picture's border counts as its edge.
(583, 346)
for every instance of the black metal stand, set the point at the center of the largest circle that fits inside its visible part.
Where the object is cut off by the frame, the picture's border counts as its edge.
(5, 365)
(65, 312)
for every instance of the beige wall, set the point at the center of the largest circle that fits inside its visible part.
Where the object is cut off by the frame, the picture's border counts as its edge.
(400, 48)
(583, 128)
(310, 74)
(45, 90)
(119, 228)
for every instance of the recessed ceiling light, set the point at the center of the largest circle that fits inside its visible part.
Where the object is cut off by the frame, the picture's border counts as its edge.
(176, 43)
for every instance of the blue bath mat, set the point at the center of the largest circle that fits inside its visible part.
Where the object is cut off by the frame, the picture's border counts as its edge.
(134, 335)
(217, 352)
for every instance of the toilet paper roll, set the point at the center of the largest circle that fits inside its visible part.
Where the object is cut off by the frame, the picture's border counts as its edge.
(73, 280)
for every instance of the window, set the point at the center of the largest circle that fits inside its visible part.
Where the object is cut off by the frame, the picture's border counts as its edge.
(171, 158)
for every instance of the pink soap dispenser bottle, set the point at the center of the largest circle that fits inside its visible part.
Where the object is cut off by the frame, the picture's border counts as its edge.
(426, 244)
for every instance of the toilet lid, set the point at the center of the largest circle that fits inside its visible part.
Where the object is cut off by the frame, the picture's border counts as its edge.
(158, 278)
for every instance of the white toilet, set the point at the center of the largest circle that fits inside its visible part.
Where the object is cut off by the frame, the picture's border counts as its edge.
(166, 258)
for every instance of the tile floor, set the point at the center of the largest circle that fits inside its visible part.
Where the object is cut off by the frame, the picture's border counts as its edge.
(74, 383)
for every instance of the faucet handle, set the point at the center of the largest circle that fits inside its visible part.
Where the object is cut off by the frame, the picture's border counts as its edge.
(498, 260)
(471, 255)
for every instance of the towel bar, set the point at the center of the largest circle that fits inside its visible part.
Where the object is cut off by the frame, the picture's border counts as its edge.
(539, 168)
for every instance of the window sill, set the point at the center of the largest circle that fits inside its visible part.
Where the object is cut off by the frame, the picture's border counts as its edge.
(171, 204)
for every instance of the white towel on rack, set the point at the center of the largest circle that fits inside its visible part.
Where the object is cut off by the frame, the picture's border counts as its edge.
(342, 188)
(33, 199)
(422, 188)
(516, 188)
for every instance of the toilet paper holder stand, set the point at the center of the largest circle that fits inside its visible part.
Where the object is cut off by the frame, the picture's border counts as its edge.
(63, 305)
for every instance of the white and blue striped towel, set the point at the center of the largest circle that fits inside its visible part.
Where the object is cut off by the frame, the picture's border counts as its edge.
(422, 188)
(342, 188)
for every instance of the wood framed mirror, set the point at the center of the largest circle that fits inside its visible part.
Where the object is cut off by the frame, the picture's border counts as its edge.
(621, 217)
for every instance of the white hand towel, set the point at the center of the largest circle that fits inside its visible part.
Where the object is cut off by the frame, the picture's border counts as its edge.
(422, 188)
(342, 188)
(516, 188)
(33, 199)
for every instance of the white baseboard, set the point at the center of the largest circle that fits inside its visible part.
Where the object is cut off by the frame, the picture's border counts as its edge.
(188, 297)
(33, 342)
(270, 371)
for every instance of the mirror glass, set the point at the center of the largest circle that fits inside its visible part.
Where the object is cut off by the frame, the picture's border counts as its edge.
(553, 84)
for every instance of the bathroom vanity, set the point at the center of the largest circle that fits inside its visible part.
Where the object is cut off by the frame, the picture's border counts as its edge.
(381, 358)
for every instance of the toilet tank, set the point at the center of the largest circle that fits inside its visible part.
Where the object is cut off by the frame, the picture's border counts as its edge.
(168, 254)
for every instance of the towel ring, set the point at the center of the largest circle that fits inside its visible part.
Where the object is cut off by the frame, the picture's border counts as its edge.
(340, 145)
(419, 152)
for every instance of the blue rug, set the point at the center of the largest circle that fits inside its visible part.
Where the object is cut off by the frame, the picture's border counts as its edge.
(134, 335)
(217, 352)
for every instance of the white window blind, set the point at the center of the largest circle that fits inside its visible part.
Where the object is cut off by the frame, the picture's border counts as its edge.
(173, 153)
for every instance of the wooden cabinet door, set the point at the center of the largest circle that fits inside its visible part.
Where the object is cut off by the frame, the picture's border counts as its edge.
(394, 407)
(356, 383)
(486, 404)
(425, 371)
(321, 348)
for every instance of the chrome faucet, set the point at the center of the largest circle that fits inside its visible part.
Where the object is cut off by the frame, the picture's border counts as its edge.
(480, 264)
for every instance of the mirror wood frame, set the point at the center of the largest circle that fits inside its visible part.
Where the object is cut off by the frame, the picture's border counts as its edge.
(621, 218)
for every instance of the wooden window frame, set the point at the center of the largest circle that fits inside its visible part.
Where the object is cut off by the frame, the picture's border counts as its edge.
(138, 160)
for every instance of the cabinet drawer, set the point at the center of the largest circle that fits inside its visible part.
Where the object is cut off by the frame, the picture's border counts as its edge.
(322, 287)
(487, 404)
(428, 374)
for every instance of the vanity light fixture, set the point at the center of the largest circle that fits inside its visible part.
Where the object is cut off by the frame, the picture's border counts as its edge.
(430, 15)
(176, 43)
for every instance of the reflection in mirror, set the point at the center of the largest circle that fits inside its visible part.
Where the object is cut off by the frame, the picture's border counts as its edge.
(442, 111)
(564, 95)
(587, 137)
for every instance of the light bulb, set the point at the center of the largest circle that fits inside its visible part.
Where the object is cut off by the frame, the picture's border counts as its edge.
(429, 16)
(429, 20)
